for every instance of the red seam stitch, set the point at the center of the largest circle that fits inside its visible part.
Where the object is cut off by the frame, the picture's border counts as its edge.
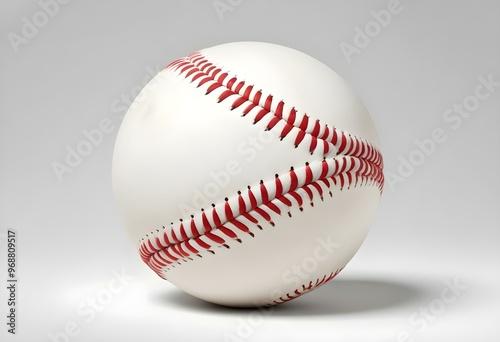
(327, 131)
(147, 250)
(370, 163)
(305, 289)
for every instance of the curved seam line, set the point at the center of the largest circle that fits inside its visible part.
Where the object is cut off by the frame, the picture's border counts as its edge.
(373, 157)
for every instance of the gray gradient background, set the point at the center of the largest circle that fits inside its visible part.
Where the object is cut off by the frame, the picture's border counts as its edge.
(441, 224)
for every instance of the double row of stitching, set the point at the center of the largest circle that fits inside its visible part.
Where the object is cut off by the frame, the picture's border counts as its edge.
(286, 119)
(347, 161)
(253, 206)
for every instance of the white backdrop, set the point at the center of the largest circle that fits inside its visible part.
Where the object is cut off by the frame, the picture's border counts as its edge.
(427, 71)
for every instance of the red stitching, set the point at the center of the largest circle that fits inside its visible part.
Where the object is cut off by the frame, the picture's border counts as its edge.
(305, 288)
(354, 163)
(222, 214)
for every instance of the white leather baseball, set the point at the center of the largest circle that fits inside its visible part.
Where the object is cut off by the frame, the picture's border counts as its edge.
(248, 173)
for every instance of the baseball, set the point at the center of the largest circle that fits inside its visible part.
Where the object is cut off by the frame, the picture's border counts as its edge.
(248, 173)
